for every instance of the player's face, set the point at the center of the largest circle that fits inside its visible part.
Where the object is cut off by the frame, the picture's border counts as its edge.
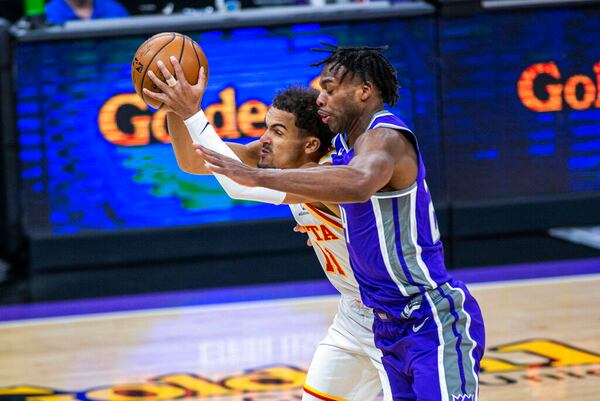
(283, 146)
(338, 100)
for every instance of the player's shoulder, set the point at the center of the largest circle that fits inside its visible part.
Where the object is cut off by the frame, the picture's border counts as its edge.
(387, 119)
(386, 142)
(380, 136)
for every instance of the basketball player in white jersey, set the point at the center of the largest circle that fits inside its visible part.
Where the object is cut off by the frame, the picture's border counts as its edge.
(346, 364)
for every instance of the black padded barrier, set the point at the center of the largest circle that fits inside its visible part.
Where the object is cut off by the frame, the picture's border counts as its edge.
(474, 232)
(9, 210)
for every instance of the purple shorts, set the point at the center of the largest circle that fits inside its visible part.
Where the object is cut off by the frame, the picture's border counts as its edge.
(432, 353)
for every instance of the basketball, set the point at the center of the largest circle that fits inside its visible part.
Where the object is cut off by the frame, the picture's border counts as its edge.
(160, 47)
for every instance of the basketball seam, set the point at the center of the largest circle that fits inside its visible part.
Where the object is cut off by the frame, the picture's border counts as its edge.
(182, 47)
(149, 64)
(159, 35)
(197, 57)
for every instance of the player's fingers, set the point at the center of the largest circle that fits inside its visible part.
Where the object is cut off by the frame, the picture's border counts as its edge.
(160, 84)
(202, 78)
(299, 229)
(156, 96)
(208, 152)
(207, 155)
(165, 71)
(308, 242)
(214, 168)
(178, 70)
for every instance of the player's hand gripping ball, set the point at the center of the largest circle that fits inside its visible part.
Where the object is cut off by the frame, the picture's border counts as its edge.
(160, 47)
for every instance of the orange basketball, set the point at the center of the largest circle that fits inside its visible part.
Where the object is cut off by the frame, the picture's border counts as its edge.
(160, 47)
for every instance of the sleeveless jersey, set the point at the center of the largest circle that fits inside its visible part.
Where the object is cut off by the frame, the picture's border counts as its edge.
(393, 240)
(326, 233)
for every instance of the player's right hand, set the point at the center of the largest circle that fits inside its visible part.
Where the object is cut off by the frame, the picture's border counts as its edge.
(182, 98)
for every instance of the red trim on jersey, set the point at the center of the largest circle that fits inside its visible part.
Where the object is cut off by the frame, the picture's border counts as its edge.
(319, 396)
(324, 216)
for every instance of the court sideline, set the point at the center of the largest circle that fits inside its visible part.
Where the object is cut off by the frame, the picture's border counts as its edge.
(542, 341)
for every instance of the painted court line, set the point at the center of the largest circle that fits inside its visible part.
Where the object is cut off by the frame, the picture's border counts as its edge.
(259, 304)
(486, 277)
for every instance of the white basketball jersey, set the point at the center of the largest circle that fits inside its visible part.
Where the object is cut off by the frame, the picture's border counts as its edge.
(326, 233)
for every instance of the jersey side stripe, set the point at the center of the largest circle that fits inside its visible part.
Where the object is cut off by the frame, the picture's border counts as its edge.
(414, 236)
(468, 334)
(397, 194)
(383, 247)
(440, 350)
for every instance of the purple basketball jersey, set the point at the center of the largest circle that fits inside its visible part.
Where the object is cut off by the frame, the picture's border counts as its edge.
(393, 239)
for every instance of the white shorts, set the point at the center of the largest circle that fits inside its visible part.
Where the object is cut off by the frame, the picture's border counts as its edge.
(347, 365)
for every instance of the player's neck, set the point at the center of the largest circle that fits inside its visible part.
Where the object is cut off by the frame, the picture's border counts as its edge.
(360, 125)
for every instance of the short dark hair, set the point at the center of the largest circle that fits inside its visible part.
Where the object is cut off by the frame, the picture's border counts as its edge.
(365, 62)
(302, 103)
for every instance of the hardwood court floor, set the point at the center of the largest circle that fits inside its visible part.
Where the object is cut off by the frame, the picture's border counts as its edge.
(543, 343)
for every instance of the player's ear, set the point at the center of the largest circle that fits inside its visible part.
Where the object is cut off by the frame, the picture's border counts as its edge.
(366, 90)
(312, 145)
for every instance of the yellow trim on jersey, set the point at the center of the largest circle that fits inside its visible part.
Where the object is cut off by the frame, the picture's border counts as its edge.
(324, 396)
(325, 217)
(326, 158)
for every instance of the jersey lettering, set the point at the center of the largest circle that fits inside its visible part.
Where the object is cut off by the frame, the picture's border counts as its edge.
(326, 233)
(331, 263)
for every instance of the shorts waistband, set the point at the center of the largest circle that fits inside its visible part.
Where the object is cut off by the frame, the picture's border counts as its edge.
(415, 303)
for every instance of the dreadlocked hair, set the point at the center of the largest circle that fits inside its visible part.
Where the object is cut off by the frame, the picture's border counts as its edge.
(302, 103)
(365, 62)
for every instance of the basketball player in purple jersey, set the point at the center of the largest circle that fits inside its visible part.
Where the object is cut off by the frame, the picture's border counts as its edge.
(427, 325)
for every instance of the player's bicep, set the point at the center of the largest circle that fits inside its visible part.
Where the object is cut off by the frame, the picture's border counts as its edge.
(375, 168)
(387, 157)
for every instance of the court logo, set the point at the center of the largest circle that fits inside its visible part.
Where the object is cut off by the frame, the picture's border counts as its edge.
(504, 365)
(537, 361)
(251, 385)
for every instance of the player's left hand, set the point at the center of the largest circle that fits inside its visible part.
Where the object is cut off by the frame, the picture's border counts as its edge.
(181, 98)
(237, 171)
(301, 229)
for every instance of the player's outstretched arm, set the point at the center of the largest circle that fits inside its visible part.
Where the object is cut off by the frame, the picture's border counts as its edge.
(188, 160)
(184, 99)
(382, 156)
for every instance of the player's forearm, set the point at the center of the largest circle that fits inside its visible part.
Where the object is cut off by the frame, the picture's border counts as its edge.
(187, 159)
(336, 184)
(292, 199)
(202, 133)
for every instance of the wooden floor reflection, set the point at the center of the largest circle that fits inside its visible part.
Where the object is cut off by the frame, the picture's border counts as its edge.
(543, 343)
